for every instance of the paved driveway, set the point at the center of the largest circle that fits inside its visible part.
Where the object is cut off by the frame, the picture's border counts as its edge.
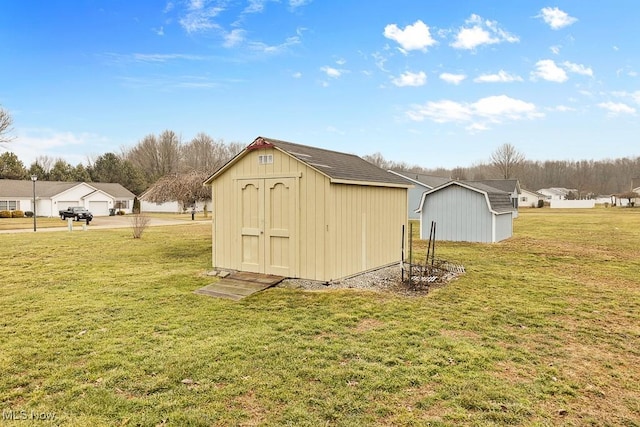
(101, 222)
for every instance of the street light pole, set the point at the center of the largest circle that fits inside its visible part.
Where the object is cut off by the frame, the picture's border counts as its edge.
(34, 178)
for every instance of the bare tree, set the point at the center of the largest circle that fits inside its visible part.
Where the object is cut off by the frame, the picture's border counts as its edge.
(204, 154)
(6, 126)
(185, 188)
(156, 156)
(507, 160)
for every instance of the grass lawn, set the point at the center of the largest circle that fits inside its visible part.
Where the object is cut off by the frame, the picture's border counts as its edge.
(100, 329)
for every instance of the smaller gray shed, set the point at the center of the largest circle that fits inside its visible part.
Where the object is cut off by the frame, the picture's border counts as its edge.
(466, 212)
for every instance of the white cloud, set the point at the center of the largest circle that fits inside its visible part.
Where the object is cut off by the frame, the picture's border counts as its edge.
(556, 18)
(479, 31)
(298, 3)
(441, 112)
(297, 75)
(32, 143)
(334, 73)
(501, 77)
(200, 17)
(379, 60)
(410, 79)
(157, 57)
(497, 108)
(479, 115)
(578, 68)
(158, 31)
(255, 6)
(555, 50)
(234, 38)
(455, 79)
(635, 96)
(274, 49)
(169, 7)
(617, 108)
(413, 37)
(547, 69)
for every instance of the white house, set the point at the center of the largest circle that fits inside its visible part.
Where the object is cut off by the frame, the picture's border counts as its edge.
(556, 193)
(53, 196)
(467, 212)
(529, 199)
(421, 183)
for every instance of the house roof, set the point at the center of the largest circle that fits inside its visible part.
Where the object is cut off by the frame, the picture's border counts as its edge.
(428, 181)
(535, 193)
(114, 189)
(47, 189)
(507, 185)
(557, 191)
(498, 201)
(339, 167)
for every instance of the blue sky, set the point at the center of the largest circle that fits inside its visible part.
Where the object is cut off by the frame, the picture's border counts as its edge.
(433, 83)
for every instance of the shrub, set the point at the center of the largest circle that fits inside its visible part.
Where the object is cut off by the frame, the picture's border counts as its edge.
(17, 214)
(5, 214)
(540, 203)
(28, 214)
(139, 223)
(121, 212)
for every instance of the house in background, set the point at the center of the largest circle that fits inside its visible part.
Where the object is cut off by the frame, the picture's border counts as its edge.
(304, 212)
(557, 193)
(467, 212)
(54, 196)
(421, 183)
(530, 199)
(171, 207)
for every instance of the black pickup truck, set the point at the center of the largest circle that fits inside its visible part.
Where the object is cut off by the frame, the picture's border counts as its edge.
(77, 213)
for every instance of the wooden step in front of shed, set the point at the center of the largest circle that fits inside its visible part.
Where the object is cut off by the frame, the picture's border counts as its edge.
(239, 285)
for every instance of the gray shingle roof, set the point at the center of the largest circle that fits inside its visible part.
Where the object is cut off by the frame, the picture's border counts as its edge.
(334, 164)
(499, 200)
(429, 181)
(507, 185)
(24, 188)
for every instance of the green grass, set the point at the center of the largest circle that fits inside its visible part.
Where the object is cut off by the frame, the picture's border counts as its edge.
(543, 329)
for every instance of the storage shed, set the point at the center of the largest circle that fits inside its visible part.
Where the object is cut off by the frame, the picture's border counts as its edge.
(467, 212)
(303, 212)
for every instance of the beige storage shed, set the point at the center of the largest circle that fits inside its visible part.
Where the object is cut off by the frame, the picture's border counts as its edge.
(303, 212)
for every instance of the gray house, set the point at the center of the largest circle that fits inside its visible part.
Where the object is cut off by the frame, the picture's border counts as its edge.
(467, 212)
(421, 183)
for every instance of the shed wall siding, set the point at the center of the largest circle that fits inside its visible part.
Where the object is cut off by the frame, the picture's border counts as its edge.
(461, 215)
(504, 227)
(365, 227)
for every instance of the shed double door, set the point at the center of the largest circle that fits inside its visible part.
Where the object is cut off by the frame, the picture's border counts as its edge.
(267, 209)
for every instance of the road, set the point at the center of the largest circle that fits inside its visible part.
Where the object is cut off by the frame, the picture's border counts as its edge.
(102, 222)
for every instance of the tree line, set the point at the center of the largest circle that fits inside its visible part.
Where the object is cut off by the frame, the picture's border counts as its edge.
(136, 168)
(588, 177)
